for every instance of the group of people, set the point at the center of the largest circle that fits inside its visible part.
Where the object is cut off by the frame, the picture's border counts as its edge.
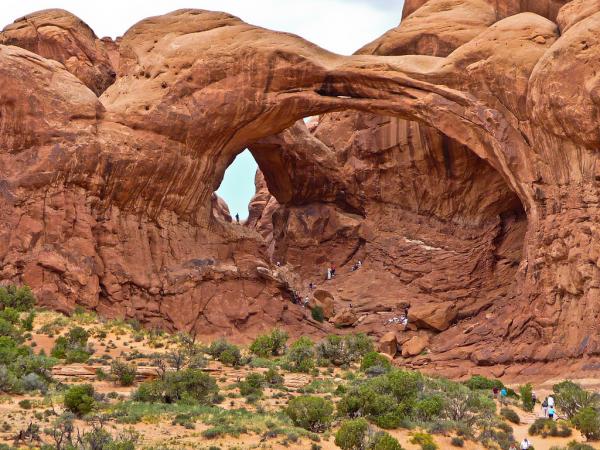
(402, 319)
(548, 407)
(298, 300)
(331, 269)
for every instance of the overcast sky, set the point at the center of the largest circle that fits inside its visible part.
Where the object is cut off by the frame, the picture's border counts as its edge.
(341, 26)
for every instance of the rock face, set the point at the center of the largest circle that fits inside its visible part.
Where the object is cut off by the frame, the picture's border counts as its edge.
(455, 157)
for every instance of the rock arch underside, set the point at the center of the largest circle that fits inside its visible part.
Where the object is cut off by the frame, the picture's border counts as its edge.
(456, 156)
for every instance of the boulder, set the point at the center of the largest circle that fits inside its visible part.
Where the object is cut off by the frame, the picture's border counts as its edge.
(345, 318)
(388, 344)
(434, 316)
(325, 300)
(415, 345)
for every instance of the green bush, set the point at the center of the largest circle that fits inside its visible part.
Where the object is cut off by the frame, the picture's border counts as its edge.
(483, 383)
(587, 421)
(272, 344)
(510, 415)
(457, 441)
(123, 372)
(311, 413)
(352, 434)
(73, 346)
(375, 359)
(300, 357)
(79, 399)
(343, 350)
(424, 440)
(383, 441)
(574, 445)
(187, 385)
(428, 408)
(223, 351)
(527, 397)
(548, 427)
(25, 404)
(273, 378)
(20, 298)
(570, 398)
(252, 385)
(317, 313)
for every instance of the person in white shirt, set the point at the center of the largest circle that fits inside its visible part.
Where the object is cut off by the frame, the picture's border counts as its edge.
(525, 444)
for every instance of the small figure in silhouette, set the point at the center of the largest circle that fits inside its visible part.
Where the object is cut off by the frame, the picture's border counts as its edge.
(237, 217)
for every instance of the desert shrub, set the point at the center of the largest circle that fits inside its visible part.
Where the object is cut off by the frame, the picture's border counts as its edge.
(352, 434)
(27, 322)
(405, 385)
(300, 356)
(223, 351)
(25, 404)
(424, 440)
(187, 385)
(252, 385)
(587, 421)
(428, 408)
(273, 378)
(343, 350)
(73, 347)
(383, 441)
(526, 392)
(570, 398)
(19, 365)
(20, 298)
(457, 441)
(574, 445)
(510, 415)
(272, 344)
(311, 413)
(317, 313)
(374, 359)
(548, 427)
(79, 399)
(481, 382)
(34, 382)
(122, 372)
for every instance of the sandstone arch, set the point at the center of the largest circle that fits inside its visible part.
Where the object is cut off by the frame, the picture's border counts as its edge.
(92, 186)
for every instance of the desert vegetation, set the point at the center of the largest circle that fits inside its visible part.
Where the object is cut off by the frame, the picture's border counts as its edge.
(115, 385)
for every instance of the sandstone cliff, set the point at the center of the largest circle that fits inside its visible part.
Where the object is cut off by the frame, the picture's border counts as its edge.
(455, 156)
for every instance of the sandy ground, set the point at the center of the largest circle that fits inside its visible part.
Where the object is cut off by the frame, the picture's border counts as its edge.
(163, 432)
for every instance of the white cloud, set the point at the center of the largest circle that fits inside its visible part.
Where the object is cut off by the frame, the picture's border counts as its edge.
(341, 26)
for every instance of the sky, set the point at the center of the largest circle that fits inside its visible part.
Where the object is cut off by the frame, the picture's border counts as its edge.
(341, 26)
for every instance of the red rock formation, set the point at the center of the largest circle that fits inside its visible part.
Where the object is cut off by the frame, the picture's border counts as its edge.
(467, 184)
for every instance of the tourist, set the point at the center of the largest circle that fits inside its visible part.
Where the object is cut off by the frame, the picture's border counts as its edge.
(306, 301)
(333, 270)
(329, 273)
(550, 401)
(503, 394)
(495, 391)
(533, 397)
(525, 444)
(545, 407)
(237, 217)
(551, 412)
(404, 321)
(311, 285)
(513, 446)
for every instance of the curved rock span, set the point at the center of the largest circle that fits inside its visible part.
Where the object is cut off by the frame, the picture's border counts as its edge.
(455, 156)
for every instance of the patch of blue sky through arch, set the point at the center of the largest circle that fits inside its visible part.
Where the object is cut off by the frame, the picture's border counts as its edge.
(237, 187)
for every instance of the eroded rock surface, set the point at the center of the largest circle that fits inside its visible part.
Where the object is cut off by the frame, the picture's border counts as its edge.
(463, 176)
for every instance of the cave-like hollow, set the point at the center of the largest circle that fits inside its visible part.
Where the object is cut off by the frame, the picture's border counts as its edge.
(432, 221)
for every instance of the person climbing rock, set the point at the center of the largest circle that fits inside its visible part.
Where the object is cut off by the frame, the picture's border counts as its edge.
(329, 273)
(333, 270)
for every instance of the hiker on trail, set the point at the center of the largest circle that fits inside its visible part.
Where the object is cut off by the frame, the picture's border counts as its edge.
(495, 391)
(305, 303)
(550, 401)
(545, 407)
(533, 397)
(525, 444)
(551, 412)
(237, 217)
(503, 394)
(329, 273)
